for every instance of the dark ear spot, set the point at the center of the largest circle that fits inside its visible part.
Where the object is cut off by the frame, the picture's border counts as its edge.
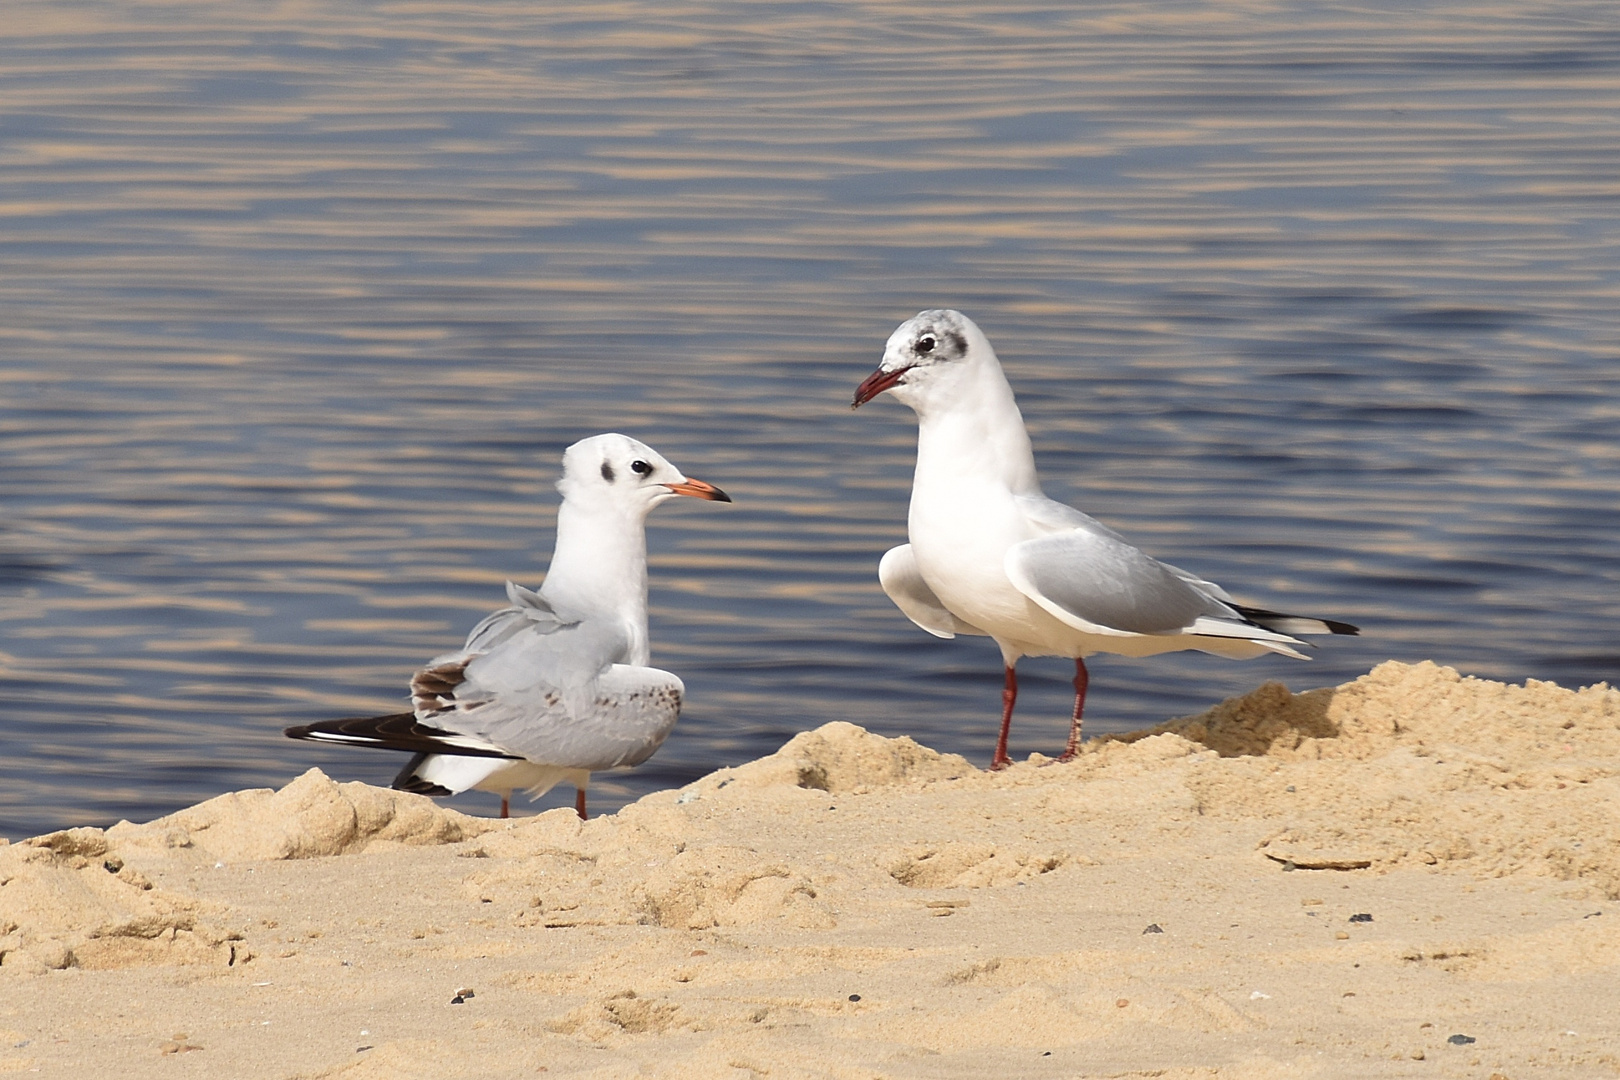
(958, 343)
(607, 472)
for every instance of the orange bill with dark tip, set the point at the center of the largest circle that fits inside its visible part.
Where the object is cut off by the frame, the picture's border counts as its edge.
(699, 489)
(875, 384)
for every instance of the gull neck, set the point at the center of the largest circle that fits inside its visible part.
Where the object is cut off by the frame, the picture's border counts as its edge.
(600, 566)
(975, 434)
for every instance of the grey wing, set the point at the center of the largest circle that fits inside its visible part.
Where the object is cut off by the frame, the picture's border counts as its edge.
(1096, 582)
(532, 683)
(1100, 584)
(442, 689)
(1051, 516)
(900, 578)
(622, 720)
(1123, 583)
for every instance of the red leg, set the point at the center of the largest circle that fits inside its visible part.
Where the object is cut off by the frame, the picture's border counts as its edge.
(1082, 679)
(579, 802)
(1009, 698)
(506, 811)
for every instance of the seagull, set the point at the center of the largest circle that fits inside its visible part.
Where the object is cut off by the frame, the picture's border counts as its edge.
(991, 555)
(556, 685)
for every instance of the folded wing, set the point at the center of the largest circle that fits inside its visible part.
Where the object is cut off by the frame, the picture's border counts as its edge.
(1088, 576)
(547, 686)
(1102, 585)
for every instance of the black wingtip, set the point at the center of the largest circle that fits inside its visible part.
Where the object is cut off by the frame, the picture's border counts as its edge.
(417, 786)
(396, 731)
(1279, 622)
(357, 730)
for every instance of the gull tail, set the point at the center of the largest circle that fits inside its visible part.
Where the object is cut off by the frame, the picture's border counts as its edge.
(451, 774)
(1279, 623)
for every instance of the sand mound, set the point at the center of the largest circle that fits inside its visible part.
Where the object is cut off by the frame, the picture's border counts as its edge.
(841, 757)
(1423, 707)
(77, 899)
(661, 876)
(310, 817)
(1415, 764)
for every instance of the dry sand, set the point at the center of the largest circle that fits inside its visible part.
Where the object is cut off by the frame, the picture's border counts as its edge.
(1192, 901)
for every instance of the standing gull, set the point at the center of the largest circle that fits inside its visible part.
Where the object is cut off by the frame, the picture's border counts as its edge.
(991, 555)
(557, 685)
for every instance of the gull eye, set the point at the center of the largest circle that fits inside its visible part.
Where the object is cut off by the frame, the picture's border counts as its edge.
(925, 344)
(640, 468)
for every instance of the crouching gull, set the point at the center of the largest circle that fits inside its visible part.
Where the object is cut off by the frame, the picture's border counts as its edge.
(556, 685)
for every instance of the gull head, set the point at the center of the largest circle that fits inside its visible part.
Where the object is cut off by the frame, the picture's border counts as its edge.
(614, 471)
(927, 355)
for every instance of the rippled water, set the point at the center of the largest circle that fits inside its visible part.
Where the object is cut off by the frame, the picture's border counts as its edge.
(302, 302)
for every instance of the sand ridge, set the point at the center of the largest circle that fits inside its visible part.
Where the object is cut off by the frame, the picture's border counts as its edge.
(855, 906)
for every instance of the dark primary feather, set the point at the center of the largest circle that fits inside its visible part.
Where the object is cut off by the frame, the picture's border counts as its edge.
(1294, 624)
(397, 731)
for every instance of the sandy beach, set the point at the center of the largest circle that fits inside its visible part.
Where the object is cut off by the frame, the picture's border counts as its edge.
(1412, 874)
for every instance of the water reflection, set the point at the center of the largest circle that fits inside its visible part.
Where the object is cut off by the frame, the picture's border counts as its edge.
(301, 307)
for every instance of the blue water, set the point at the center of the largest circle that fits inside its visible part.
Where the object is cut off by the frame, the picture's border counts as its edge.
(299, 306)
